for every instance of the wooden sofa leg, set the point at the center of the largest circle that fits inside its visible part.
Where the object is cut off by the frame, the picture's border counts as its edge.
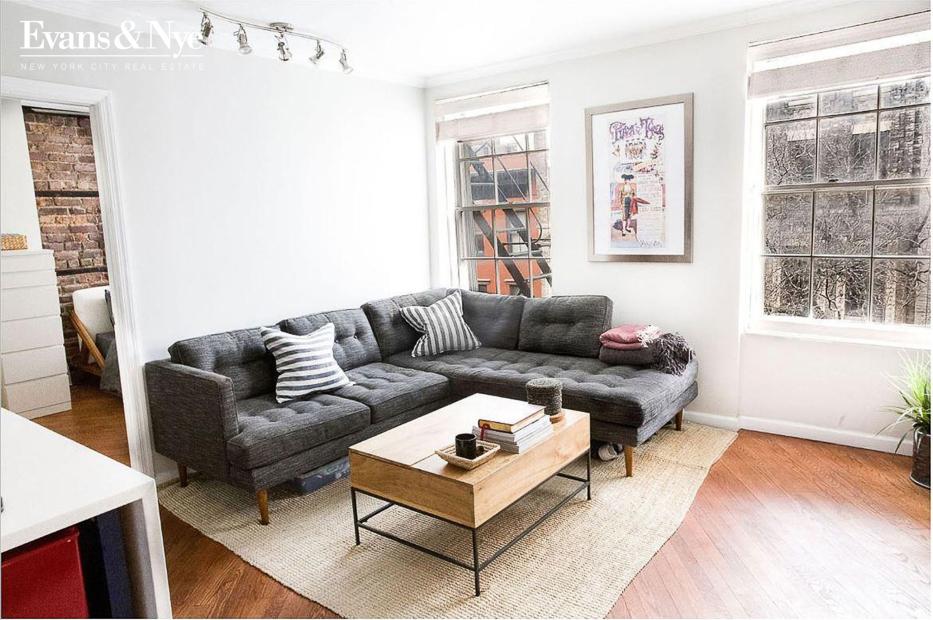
(679, 420)
(182, 475)
(262, 498)
(629, 460)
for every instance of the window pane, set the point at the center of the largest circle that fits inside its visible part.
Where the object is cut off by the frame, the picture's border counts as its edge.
(539, 222)
(842, 222)
(905, 93)
(476, 182)
(512, 175)
(476, 231)
(481, 275)
(849, 100)
(902, 221)
(901, 291)
(791, 153)
(538, 140)
(840, 288)
(475, 149)
(540, 282)
(510, 144)
(787, 223)
(787, 286)
(540, 190)
(803, 106)
(514, 277)
(511, 232)
(847, 148)
(905, 146)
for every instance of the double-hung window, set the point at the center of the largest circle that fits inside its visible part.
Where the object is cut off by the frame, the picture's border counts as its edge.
(498, 189)
(839, 185)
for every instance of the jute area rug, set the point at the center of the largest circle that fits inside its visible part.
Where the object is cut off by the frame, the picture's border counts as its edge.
(576, 564)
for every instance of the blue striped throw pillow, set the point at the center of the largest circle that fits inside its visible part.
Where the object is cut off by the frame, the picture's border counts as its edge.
(442, 325)
(305, 364)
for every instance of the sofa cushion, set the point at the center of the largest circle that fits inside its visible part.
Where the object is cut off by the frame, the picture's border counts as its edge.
(240, 355)
(354, 341)
(619, 394)
(305, 364)
(495, 319)
(441, 325)
(392, 332)
(390, 390)
(270, 432)
(568, 325)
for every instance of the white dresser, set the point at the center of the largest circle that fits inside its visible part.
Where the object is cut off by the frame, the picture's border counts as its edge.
(33, 367)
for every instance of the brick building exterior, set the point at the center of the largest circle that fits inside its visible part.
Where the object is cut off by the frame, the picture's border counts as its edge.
(62, 157)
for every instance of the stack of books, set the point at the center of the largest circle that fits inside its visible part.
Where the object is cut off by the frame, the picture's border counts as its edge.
(515, 428)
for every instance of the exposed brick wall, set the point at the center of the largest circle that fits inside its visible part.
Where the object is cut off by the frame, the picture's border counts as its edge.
(62, 156)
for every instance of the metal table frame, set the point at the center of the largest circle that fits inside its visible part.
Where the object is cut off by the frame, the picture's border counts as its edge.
(476, 566)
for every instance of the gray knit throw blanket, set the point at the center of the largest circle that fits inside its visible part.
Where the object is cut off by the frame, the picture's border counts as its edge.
(671, 353)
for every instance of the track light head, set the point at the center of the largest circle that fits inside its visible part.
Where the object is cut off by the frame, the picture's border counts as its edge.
(344, 62)
(318, 53)
(243, 45)
(207, 30)
(285, 54)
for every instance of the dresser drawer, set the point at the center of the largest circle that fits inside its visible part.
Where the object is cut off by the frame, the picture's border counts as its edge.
(33, 364)
(31, 334)
(33, 260)
(29, 302)
(19, 279)
(37, 393)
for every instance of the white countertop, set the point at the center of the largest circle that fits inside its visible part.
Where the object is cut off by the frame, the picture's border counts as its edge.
(49, 482)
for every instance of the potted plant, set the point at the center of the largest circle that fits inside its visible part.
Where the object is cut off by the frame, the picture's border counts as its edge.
(914, 389)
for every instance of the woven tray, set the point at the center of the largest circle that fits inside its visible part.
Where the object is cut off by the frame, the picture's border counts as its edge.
(449, 454)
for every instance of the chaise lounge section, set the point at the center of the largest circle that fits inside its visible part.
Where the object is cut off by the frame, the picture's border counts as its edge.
(213, 403)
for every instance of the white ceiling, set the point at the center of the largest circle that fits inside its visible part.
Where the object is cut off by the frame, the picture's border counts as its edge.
(434, 41)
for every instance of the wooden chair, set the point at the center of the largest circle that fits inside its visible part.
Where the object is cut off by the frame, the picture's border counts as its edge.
(90, 317)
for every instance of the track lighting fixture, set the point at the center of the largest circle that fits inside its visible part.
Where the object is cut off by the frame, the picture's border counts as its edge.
(344, 62)
(243, 45)
(285, 54)
(318, 54)
(280, 30)
(207, 29)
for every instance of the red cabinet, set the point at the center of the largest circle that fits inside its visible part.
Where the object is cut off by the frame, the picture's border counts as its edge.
(43, 579)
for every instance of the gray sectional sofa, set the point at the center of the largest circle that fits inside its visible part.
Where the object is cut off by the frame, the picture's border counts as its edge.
(213, 403)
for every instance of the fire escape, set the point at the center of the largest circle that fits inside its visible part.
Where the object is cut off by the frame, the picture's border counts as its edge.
(504, 249)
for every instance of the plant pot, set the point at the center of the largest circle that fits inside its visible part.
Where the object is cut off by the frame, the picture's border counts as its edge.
(920, 473)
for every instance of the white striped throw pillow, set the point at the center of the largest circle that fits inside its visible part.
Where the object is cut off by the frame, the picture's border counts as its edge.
(442, 325)
(305, 364)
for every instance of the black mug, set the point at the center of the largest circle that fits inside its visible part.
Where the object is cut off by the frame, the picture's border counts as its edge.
(466, 445)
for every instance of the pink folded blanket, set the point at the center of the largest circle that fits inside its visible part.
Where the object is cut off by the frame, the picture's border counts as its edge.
(629, 336)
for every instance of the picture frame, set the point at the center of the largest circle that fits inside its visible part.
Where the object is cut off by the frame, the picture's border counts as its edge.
(639, 168)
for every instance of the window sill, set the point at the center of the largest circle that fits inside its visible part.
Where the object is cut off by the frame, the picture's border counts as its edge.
(901, 337)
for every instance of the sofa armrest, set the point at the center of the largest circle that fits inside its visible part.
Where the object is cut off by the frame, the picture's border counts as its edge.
(193, 415)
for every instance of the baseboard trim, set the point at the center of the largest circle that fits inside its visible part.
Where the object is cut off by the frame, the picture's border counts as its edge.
(855, 439)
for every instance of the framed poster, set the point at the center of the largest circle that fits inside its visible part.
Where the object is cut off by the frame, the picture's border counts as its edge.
(639, 167)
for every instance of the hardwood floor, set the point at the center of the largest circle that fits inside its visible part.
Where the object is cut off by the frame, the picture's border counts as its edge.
(781, 527)
(95, 420)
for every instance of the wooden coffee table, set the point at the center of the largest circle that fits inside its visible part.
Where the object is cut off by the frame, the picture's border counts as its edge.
(400, 468)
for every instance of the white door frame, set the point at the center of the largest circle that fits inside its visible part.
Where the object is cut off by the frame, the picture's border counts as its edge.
(112, 214)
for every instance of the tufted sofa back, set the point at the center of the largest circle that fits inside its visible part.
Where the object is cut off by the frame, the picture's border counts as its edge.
(568, 325)
(239, 354)
(495, 319)
(354, 341)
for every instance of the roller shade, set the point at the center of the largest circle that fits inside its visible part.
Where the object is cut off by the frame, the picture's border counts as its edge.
(514, 110)
(890, 48)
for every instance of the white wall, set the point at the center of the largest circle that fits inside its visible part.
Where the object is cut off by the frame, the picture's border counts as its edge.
(836, 388)
(18, 213)
(255, 190)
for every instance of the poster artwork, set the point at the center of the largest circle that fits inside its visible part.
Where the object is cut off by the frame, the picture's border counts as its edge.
(637, 193)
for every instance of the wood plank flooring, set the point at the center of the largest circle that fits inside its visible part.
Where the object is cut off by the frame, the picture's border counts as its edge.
(782, 527)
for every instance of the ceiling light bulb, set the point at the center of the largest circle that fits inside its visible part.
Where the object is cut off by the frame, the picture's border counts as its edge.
(285, 54)
(318, 53)
(344, 63)
(244, 46)
(207, 29)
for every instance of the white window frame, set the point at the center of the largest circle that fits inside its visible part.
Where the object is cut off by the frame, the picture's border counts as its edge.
(751, 306)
